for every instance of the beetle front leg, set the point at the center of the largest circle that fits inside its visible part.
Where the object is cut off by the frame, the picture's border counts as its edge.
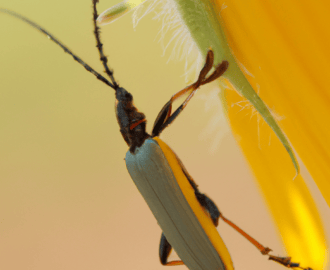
(165, 117)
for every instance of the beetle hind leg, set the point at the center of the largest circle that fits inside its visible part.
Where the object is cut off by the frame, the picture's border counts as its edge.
(285, 261)
(165, 249)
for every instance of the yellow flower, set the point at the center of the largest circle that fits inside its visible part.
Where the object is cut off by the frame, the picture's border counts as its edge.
(282, 47)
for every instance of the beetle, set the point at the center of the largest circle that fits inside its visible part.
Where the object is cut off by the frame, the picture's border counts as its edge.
(187, 217)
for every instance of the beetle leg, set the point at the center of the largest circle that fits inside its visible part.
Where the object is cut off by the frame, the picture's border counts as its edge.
(165, 112)
(209, 206)
(165, 249)
(207, 67)
(286, 261)
(203, 200)
(165, 117)
(262, 249)
(219, 70)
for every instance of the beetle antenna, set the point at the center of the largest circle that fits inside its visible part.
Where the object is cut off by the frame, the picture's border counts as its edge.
(99, 46)
(59, 43)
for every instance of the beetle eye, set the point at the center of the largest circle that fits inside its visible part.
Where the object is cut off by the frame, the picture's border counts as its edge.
(128, 96)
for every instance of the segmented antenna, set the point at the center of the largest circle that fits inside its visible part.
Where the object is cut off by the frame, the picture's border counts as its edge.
(66, 49)
(99, 45)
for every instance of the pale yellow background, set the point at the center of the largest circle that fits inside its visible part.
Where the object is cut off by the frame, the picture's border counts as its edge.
(66, 199)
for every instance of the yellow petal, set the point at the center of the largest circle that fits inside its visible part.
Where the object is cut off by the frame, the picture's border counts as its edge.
(285, 46)
(282, 45)
(290, 202)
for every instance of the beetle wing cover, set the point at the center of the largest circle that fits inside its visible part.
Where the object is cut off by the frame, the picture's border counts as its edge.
(159, 178)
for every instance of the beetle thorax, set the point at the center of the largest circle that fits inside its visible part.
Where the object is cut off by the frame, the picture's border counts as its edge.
(132, 122)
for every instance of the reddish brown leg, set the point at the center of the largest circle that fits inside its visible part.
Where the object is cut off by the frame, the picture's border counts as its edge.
(286, 261)
(165, 116)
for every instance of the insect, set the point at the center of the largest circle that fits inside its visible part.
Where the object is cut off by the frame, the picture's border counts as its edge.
(187, 217)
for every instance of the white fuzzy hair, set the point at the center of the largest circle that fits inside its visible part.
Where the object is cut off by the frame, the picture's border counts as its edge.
(184, 46)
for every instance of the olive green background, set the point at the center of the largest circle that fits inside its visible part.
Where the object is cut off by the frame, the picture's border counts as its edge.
(66, 198)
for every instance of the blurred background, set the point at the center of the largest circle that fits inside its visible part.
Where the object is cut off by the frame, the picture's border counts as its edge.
(66, 198)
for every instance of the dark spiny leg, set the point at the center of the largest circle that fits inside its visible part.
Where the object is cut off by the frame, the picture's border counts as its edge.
(99, 45)
(165, 249)
(210, 207)
(286, 261)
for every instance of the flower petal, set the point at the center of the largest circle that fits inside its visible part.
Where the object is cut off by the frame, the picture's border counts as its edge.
(285, 46)
(290, 202)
